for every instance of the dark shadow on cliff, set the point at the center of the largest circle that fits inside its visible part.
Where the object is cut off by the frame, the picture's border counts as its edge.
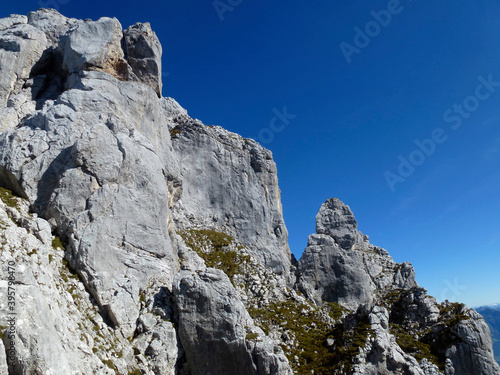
(49, 77)
(50, 179)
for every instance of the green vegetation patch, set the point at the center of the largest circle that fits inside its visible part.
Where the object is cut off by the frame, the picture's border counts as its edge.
(453, 313)
(413, 346)
(309, 329)
(142, 297)
(174, 132)
(212, 247)
(57, 243)
(443, 335)
(334, 310)
(433, 341)
(67, 273)
(392, 298)
(348, 342)
(8, 198)
(110, 364)
(251, 336)
(197, 239)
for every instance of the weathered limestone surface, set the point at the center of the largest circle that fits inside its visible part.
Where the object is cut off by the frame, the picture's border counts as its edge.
(143, 50)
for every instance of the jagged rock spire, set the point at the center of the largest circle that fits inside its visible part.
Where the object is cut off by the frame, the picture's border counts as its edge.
(340, 265)
(336, 220)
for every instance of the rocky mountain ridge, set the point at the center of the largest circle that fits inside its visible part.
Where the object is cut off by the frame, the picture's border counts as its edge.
(138, 240)
(491, 315)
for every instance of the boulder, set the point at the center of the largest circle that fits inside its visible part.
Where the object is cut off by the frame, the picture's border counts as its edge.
(214, 327)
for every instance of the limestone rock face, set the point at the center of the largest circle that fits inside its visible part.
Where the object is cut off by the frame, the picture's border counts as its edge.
(336, 220)
(104, 51)
(382, 355)
(340, 265)
(86, 140)
(51, 332)
(230, 182)
(457, 335)
(404, 329)
(471, 352)
(81, 161)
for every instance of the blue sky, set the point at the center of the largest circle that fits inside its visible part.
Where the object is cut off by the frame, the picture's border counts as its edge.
(275, 71)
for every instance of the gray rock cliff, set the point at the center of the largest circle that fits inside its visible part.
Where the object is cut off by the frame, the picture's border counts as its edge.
(137, 240)
(222, 170)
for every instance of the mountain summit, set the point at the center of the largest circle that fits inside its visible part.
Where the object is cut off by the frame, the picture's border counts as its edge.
(137, 240)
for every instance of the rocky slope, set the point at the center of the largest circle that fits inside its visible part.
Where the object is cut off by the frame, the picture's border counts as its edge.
(491, 315)
(136, 240)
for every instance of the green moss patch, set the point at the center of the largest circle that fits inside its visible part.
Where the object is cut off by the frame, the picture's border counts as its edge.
(8, 198)
(310, 332)
(412, 346)
(212, 247)
(348, 342)
(57, 243)
(174, 133)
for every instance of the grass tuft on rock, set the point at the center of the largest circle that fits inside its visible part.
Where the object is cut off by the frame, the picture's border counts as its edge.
(348, 340)
(307, 350)
(251, 336)
(412, 346)
(174, 133)
(57, 243)
(110, 364)
(213, 247)
(8, 198)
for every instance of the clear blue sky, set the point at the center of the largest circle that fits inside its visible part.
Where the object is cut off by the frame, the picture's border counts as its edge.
(353, 120)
